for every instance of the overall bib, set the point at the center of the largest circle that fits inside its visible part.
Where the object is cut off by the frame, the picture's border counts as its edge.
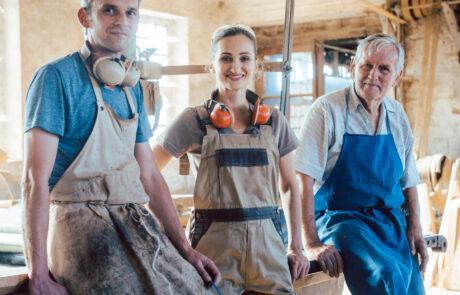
(236, 221)
(358, 211)
(101, 239)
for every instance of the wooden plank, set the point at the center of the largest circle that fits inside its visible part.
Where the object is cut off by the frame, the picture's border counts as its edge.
(406, 11)
(416, 9)
(420, 109)
(319, 283)
(202, 69)
(451, 23)
(12, 283)
(184, 70)
(430, 88)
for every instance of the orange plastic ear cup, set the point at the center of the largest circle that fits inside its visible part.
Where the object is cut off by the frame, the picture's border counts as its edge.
(222, 116)
(261, 113)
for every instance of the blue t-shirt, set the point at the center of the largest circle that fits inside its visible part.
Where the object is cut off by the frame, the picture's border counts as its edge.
(61, 101)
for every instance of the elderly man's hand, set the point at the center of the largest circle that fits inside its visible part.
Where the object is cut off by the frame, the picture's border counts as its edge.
(298, 264)
(329, 259)
(417, 244)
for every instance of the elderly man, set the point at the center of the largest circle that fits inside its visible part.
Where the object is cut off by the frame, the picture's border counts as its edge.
(87, 152)
(356, 155)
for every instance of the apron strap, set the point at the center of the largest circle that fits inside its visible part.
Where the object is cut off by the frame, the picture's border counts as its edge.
(203, 119)
(387, 119)
(130, 99)
(97, 88)
(266, 130)
(347, 97)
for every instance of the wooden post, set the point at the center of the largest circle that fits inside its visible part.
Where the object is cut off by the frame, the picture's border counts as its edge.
(318, 79)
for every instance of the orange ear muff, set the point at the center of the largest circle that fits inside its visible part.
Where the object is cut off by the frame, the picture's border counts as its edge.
(261, 113)
(222, 116)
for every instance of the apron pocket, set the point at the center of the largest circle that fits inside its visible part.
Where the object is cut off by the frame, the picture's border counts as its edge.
(281, 228)
(198, 227)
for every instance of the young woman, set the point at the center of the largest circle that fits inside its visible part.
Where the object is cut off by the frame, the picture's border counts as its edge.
(236, 221)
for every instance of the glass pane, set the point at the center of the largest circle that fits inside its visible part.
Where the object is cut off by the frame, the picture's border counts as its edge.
(301, 87)
(336, 71)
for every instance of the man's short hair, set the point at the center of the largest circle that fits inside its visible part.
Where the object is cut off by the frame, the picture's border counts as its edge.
(86, 4)
(375, 43)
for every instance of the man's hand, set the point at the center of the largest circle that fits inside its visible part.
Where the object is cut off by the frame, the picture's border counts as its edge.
(298, 264)
(417, 244)
(39, 286)
(329, 259)
(414, 229)
(205, 266)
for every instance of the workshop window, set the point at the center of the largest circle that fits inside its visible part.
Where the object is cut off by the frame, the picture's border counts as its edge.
(11, 99)
(301, 87)
(163, 38)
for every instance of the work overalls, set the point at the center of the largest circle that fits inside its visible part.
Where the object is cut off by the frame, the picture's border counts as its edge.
(358, 211)
(236, 221)
(101, 239)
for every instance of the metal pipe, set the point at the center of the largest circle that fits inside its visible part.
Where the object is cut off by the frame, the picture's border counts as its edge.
(287, 50)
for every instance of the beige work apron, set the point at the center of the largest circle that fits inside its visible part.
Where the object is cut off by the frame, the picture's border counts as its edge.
(101, 239)
(250, 254)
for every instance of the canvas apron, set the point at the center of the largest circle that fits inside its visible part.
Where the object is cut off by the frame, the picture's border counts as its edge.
(236, 221)
(101, 239)
(358, 211)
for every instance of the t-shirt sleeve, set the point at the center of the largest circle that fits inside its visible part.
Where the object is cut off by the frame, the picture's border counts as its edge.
(311, 155)
(184, 134)
(144, 132)
(45, 102)
(410, 176)
(287, 140)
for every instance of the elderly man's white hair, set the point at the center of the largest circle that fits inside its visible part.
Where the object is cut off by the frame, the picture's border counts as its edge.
(377, 42)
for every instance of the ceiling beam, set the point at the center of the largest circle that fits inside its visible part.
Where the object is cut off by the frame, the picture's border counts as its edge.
(382, 11)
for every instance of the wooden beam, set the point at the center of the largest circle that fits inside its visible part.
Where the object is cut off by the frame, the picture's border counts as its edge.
(451, 23)
(340, 49)
(382, 11)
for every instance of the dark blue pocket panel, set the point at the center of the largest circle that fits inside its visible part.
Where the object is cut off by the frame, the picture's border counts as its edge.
(242, 157)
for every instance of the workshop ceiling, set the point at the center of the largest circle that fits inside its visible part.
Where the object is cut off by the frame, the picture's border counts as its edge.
(272, 12)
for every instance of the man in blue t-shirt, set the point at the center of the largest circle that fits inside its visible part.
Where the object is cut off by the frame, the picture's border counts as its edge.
(63, 129)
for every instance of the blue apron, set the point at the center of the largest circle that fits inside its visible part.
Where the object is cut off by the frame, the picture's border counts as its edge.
(358, 210)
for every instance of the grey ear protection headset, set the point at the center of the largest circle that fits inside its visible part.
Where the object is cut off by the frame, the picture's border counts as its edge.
(111, 70)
